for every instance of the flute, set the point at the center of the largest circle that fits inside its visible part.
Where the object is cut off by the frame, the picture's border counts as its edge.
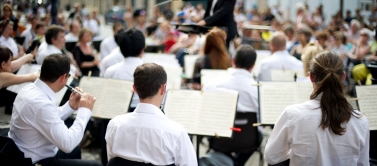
(73, 90)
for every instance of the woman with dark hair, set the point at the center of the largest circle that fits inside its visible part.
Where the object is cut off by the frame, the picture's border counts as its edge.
(325, 130)
(215, 55)
(84, 55)
(8, 14)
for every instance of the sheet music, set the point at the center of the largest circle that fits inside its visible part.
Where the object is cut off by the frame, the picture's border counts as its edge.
(283, 75)
(183, 107)
(190, 64)
(304, 90)
(113, 96)
(367, 103)
(202, 113)
(274, 98)
(217, 113)
(174, 80)
(24, 69)
(208, 75)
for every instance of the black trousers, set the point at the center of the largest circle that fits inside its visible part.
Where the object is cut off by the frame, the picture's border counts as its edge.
(68, 159)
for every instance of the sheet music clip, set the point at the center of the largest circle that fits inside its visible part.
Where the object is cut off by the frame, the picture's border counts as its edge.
(216, 135)
(358, 82)
(89, 74)
(256, 85)
(256, 124)
(353, 99)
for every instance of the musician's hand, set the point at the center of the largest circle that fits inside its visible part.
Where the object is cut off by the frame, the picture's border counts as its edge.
(87, 101)
(74, 99)
(202, 23)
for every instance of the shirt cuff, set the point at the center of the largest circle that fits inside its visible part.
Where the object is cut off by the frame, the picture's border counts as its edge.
(84, 113)
(67, 108)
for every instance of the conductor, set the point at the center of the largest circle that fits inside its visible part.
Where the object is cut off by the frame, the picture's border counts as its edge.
(220, 13)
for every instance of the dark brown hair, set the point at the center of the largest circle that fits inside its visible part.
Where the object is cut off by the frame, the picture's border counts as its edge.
(327, 70)
(322, 35)
(83, 31)
(341, 36)
(4, 24)
(5, 54)
(148, 79)
(52, 33)
(215, 49)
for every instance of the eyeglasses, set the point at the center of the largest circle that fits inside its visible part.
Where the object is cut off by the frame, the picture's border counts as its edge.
(69, 75)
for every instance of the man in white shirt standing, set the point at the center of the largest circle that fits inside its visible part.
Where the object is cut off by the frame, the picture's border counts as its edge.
(241, 80)
(109, 43)
(74, 30)
(147, 135)
(280, 58)
(30, 33)
(37, 125)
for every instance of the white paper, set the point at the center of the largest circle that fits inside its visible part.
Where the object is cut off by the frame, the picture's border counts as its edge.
(276, 96)
(113, 96)
(207, 75)
(190, 64)
(202, 113)
(25, 69)
(166, 60)
(285, 75)
(366, 96)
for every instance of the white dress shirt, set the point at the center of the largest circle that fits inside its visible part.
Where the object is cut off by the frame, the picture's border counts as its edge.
(107, 45)
(125, 71)
(10, 43)
(212, 7)
(278, 60)
(70, 37)
(46, 50)
(29, 35)
(241, 81)
(148, 136)
(37, 125)
(298, 137)
(113, 58)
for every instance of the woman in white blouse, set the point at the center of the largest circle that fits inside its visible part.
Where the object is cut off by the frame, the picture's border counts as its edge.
(324, 130)
(6, 40)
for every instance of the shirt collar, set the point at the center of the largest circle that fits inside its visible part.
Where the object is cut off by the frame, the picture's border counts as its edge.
(149, 109)
(53, 48)
(237, 71)
(281, 53)
(133, 60)
(46, 89)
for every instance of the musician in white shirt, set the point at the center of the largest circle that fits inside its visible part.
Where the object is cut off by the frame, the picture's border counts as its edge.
(147, 135)
(325, 130)
(6, 30)
(109, 43)
(114, 57)
(280, 58)
(30, 33)
(37, 125)
(55, 40)
(133, 44)
(74, 30)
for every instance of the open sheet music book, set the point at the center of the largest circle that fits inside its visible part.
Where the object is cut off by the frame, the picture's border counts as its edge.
(202, 113)
(366, 98)
(113, 96)
(274, 97)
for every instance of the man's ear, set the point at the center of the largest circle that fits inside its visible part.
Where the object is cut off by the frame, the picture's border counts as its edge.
(163, 89)
(134, 88)
(3, 65)
(62, 78)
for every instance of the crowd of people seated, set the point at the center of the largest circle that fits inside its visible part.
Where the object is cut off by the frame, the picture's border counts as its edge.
(333, 54)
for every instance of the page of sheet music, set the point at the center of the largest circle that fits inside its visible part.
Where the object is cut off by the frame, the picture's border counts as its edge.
(282, 75)
(304, 90)
(217, 114)
(208, 75)
(190, 64)
(24, 69)
(274, 98)
(174, 80)
(366, 96)
(183, 107)
(113, 96)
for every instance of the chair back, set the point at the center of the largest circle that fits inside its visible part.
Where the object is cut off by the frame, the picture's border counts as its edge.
(244, 141)
(9, 153)
(117, 161)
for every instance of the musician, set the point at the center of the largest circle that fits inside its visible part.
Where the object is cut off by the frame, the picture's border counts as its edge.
(220, 13)
(74, 30)
(114, 57)
(37, 125)
(155, 139)
(132, 44)
(30, 33)
(280, 58)
(8, 14)
(55, 40)
(325, 130)
(7, 40)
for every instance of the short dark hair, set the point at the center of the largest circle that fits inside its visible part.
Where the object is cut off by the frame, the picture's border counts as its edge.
(132, 42)
(245, 57)
(118, 36)
(148, 79)
(39, 25)
(117, 24)
(54, 66)
(5, 54)
(52, 33)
